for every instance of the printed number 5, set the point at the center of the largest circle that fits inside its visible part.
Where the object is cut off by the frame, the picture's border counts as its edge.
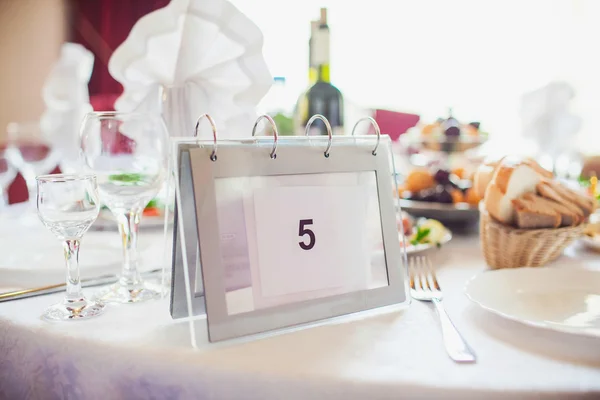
(304, 231)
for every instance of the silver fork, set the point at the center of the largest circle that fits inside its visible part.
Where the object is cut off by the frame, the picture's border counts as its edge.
(425, 287)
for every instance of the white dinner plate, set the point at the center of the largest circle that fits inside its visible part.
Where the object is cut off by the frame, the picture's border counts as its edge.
(557, 298)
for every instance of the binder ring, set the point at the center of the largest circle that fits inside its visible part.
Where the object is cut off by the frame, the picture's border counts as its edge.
(377, 131)
(213, 155)
(327, 125)
(273, 154)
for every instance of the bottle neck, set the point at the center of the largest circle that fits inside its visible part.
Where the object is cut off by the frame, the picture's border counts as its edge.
(313, 75)
(319, 57)
(323, 73)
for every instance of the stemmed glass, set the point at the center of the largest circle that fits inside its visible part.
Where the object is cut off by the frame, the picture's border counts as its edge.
(128, 153)
(68, 205)
(31, 153)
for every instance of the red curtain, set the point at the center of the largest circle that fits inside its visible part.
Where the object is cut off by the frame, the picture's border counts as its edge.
(101, 26)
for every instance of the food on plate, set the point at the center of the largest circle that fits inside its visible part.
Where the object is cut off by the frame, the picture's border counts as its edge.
(450, 127)
(522, 194)
(419, 179)
(428, 231)
(457, 196)
(471, 197)
(153, 209)
(438, 186)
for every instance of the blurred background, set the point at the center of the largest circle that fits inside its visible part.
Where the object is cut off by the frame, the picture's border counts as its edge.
(476, 58)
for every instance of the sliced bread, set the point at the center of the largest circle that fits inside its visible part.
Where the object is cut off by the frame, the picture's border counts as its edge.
(510, 181)
(547, 191)
(585, 203)
(531, 213)
(568, 216)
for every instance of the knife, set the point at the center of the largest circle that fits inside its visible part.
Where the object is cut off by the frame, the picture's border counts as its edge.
(91, 282)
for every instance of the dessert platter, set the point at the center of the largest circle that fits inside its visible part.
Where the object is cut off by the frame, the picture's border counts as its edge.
(440, 183)
(447, 135)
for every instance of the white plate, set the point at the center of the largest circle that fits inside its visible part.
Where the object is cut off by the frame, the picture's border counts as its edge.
(412, 249)
(461, 212)
(559, 299)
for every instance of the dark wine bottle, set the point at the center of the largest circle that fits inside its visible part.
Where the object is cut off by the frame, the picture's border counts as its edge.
(322, 97)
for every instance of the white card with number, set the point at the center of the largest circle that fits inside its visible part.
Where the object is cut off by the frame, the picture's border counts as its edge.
(307, 237)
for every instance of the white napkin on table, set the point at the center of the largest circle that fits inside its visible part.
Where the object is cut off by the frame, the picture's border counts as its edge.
(193, 57)
(548, 121)
(67, 100)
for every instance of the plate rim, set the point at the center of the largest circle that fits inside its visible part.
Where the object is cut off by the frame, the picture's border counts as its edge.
(539, 325)
(433, 206)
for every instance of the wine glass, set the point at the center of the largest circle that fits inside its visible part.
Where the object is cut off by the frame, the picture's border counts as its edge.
(7, 175)
(128, 153)
(31, 153)
(68, 205)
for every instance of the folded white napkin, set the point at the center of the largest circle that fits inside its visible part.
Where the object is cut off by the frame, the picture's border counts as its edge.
(547, 119)
(67, 100)
(193, 57)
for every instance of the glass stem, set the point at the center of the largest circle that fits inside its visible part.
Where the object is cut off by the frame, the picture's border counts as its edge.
(128, 228)
(71, 248)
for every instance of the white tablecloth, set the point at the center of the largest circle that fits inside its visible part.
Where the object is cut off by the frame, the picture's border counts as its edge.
(137, 351)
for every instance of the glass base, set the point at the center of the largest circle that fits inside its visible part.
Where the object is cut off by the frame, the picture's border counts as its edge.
(118, 293)
(73, 310)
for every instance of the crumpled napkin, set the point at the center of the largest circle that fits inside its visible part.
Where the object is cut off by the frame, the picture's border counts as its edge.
(548, 121)
(66, 97)
(193, 57)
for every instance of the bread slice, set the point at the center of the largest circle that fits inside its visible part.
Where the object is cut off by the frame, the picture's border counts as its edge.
(547, 191)
(510, 181)
(585, 203)
(485, 172)
(532, 213)
(568, 217)
(538, 168)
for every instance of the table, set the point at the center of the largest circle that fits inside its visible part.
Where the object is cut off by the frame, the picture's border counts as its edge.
(138, 351)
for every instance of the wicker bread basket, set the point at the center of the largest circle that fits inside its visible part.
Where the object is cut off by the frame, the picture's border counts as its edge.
(508, 247)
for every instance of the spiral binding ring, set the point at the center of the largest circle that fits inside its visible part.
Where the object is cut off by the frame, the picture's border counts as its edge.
(377, 131)
(327, 125)
(273, 154)
(213, 155)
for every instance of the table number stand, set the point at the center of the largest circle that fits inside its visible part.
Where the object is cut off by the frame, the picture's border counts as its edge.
(237, 256)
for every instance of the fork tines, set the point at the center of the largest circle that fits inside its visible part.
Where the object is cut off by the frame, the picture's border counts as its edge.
(422, 274)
